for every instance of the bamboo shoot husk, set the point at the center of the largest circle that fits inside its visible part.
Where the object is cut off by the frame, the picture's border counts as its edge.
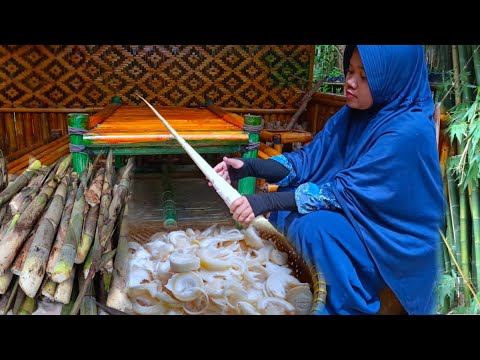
(5, 281)
(62, 229)
(11, 243)
(63, 292)
(105, 201)
(3, 211)
(87, 235)
(117, 296)
(36, 261)
(48, 289)
(116, 206)
(8, 228)
(21, 200)
(17, 264)
(88, 305)
(64, 165)
(12, 296)
(18, 300)
(19, 183)
(63, 267)
(28, 306)
(118, 201)
(94, 192)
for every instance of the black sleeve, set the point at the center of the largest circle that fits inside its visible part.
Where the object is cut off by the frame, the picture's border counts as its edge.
(262, 203)
(270, 170)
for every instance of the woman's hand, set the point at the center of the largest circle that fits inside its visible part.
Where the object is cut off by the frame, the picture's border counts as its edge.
(222, 168)
(242, 211)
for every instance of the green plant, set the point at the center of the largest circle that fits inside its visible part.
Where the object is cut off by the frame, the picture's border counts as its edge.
(326, 60)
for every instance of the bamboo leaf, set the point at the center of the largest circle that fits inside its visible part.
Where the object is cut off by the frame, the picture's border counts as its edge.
(106, 258)
(457, 130)
(446, 288)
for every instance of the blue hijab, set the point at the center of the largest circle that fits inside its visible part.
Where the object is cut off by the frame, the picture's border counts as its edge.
(385, 168)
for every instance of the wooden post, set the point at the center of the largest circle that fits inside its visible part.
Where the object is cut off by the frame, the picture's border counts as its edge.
(3, 134)
(37, 128)
(11, 135)
(20, 132)
(168, 199)
(45, 127)
(28, 128)
(277, 143)
(246, 186)
(78, 124)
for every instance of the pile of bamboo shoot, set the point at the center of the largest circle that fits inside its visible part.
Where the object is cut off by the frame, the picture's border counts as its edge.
(56, 224)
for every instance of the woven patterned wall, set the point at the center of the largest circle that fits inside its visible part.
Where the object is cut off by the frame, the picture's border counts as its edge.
(256, 76)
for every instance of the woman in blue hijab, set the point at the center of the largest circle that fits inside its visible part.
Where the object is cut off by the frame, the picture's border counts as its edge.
(364, 200)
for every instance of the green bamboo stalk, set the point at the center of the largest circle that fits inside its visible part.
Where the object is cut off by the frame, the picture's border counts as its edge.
(464, 230)
(247, 185)
(79, 159)
(476, 62)
(475, 211)
(19, 183)
(455, 214)
(456, 74)
(168, 199)
(446, 260)
(449, 232)
(33, 270)
(462, 61)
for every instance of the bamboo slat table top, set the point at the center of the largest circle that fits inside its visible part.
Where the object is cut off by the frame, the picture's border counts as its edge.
(134, 125)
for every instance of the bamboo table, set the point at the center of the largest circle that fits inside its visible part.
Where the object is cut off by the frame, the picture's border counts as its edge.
(135, 130)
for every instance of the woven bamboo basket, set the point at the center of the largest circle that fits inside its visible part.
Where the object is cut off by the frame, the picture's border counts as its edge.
(306, 273)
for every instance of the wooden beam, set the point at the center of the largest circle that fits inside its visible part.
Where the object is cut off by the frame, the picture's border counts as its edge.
(103, 114)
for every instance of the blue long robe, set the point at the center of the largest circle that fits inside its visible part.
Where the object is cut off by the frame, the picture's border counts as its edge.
(384, 167)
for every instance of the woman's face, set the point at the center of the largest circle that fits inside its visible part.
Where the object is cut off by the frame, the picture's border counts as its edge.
(357, 90)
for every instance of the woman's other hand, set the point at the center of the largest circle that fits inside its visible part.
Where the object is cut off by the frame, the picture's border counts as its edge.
(222, 168)
(242, 211)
